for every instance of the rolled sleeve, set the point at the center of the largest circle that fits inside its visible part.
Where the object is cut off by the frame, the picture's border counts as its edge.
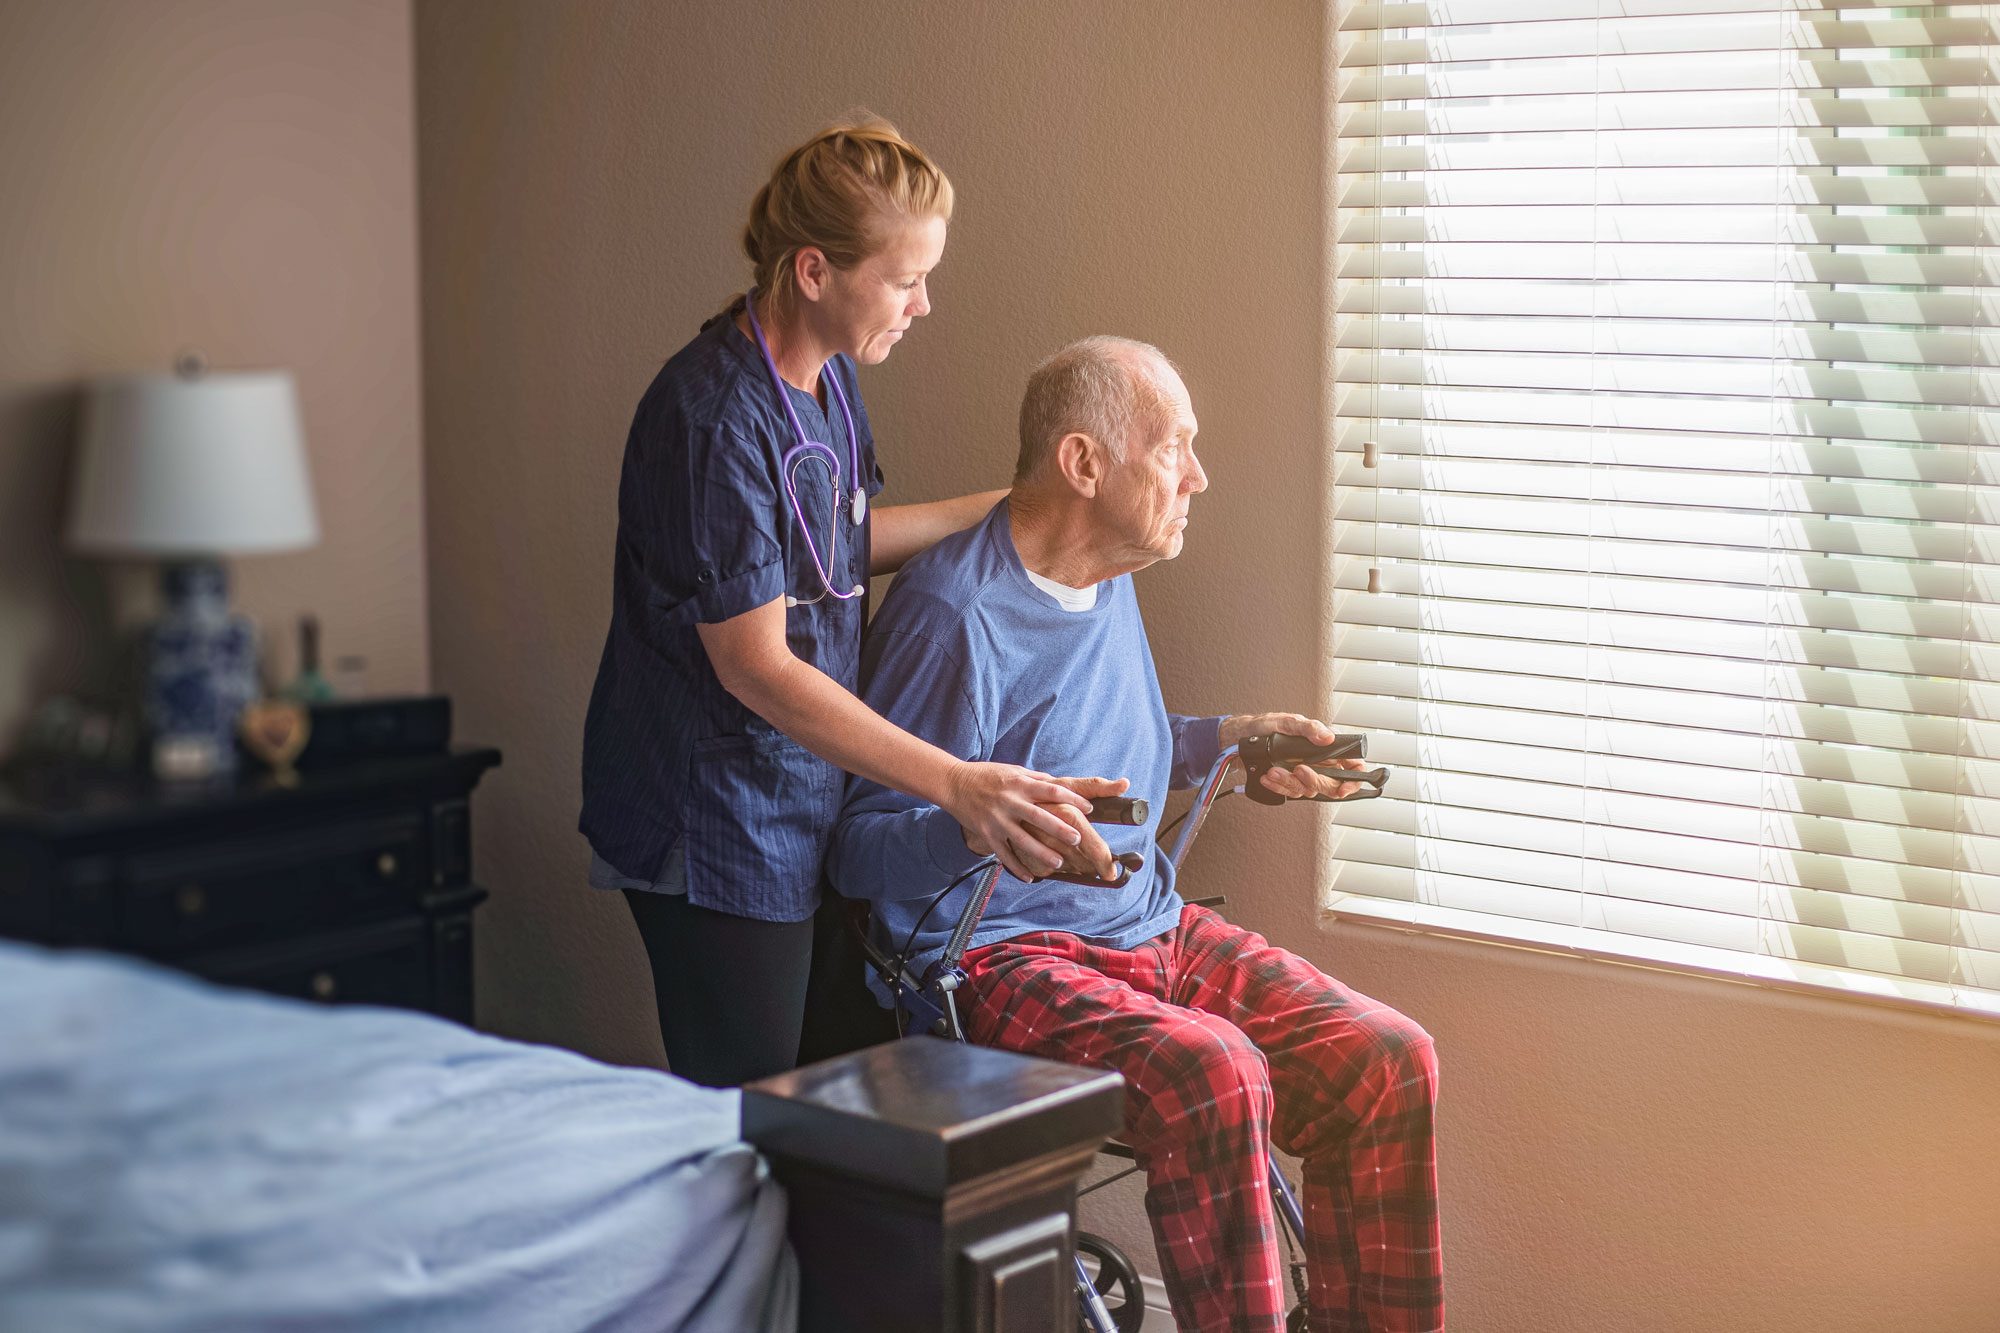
(719, 598)
(725, 497)
(1197, 742)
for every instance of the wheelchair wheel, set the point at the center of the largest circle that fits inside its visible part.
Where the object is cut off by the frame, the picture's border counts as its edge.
(1116, 1280)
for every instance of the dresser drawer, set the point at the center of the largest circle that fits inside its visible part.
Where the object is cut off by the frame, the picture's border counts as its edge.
(388, 964)
(284, 881)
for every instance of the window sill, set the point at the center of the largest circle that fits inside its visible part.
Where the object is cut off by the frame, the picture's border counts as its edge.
(1665, 956)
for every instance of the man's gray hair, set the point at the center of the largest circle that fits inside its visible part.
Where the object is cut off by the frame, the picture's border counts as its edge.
(1102, 386)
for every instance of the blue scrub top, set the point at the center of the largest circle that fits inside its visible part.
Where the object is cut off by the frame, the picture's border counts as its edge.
(706, 532)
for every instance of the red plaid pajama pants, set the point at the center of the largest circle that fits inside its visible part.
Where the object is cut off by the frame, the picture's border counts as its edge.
(1227, 1046)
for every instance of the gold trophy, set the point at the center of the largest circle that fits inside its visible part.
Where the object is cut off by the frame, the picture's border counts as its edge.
(275, 730)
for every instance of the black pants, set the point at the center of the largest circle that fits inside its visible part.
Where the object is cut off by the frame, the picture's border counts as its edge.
(741, 999)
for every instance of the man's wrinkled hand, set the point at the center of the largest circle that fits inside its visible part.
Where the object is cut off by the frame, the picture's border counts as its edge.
(1300, 782)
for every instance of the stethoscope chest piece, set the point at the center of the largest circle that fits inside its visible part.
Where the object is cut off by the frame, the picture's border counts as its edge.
(859, 506)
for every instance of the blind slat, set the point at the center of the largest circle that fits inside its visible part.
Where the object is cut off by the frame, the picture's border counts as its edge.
(1783, 301)
(1681, 377)
(1683, 489)
(1667, 448)
(1797, 238)
(1658, 111)
(1629, 411)
(1713, 608)
(1803, 532)
(1375, 14)
(1551, 188)
(1746, 568)
(1673, 634)
(1721, 71)
(1637, 261)
(1527, 670)
(1684, 340)
(1720, 149)
(1678, 33)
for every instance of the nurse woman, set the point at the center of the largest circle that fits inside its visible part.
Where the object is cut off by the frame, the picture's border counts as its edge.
(723, 721)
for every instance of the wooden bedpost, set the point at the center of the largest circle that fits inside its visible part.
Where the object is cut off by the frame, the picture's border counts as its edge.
(932, 1184)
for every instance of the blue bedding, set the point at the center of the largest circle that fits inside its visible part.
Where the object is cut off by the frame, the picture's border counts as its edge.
(179, 1157)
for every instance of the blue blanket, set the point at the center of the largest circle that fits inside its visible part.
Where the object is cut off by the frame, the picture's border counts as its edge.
(179, 1157)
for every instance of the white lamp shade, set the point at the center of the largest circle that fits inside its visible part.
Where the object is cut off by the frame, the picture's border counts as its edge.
(214, 465)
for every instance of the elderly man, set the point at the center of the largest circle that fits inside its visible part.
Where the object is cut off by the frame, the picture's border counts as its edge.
(1020, 640)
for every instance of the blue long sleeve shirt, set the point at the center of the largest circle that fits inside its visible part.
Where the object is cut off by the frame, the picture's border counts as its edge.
(967, 653)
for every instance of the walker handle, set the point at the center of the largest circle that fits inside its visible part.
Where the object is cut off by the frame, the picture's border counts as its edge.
(1129, 811)
(1268, 751)
(1373, 780)
(1261, 754)
(1128, 863)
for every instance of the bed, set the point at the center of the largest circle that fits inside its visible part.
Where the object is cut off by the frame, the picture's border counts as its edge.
(175, 1156)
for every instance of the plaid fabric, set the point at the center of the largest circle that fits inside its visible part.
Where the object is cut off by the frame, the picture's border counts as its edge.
(1227, 1045)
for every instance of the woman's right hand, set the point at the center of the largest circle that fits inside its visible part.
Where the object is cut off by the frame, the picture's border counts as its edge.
(1002, 809)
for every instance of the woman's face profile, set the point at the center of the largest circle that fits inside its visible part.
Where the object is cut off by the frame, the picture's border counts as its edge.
(865, 310)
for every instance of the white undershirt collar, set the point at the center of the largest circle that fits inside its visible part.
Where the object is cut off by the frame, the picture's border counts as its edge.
(1068, 598)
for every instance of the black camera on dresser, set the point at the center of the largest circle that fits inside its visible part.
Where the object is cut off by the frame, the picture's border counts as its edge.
(355, 885)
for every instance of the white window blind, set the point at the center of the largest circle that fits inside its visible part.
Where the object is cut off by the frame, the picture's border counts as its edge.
(1667, 497)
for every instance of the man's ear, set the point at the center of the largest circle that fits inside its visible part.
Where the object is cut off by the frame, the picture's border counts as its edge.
(1082, 462)
(810, 271)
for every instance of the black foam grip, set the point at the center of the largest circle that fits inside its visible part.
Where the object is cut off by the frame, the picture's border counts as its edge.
(1372, 780)
(1298, 750)
(1128, 862)
(1126, 810)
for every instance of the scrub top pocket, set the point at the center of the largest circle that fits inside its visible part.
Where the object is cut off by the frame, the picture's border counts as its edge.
(758, 812)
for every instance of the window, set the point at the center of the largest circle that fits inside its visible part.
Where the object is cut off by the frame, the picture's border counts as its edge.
(1667, 490)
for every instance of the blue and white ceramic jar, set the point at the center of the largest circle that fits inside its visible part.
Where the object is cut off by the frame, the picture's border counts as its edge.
(201, 672)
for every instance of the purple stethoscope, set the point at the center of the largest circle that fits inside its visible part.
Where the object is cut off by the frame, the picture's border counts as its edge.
(804, 451)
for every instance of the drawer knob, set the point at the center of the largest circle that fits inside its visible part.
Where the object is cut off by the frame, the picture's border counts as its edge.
(191, 901)
(386, 865)
(323, 987)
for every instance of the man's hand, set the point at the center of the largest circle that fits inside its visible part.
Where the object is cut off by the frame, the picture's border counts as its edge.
(1028, 820)
(1090, 856)
(1301, 781)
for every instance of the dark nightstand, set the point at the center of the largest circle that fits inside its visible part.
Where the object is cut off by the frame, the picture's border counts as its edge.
(353, 886)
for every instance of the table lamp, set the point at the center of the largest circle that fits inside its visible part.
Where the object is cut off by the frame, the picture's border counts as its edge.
(188, 468)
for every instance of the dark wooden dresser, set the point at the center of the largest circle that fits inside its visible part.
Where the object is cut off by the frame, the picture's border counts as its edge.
(353, 886)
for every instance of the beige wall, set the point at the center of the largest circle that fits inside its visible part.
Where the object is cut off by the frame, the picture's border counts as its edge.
(235, 176)
(1622, 1149)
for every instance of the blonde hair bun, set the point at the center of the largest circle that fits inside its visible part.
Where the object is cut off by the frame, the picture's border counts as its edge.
(835, 192)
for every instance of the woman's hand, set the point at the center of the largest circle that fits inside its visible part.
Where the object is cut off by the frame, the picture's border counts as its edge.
(1300, 782)
(1090, 856)
(1032, 822)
